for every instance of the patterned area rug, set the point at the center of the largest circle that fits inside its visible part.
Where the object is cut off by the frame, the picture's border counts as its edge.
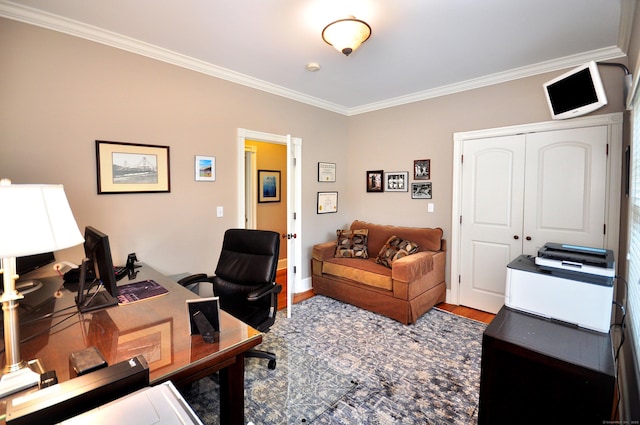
(338, 364)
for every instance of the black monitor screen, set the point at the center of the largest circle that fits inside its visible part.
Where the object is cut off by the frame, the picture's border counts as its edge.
(98, 252)
(573, 92)
(32, 262)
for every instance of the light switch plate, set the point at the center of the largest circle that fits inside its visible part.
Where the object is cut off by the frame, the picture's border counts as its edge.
(219, 211)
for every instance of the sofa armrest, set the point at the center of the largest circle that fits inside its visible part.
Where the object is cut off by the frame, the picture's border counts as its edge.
(323, 251)
(411, 267)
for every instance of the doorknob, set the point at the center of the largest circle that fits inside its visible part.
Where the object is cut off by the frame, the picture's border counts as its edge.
(516, 237)
(528, 238)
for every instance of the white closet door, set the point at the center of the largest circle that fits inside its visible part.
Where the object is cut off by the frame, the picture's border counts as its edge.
(492, 217)
(565, 188)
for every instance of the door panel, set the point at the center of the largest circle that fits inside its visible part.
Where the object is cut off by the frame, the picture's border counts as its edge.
(565, 187)
(493, 174)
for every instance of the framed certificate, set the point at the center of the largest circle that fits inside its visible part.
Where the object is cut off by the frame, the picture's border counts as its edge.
(326, 172)
(327, 202)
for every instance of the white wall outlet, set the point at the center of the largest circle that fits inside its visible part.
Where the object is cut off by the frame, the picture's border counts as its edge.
(219, 211)
(430, 207)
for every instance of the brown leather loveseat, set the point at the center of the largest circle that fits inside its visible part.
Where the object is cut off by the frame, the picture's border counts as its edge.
(405, 291)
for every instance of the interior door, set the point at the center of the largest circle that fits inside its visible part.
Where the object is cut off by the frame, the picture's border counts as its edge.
(565, 188)
(491, 221)
(294, 226)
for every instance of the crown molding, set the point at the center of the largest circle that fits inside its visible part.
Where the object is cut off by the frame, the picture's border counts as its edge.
(500, 77)
(78, 29)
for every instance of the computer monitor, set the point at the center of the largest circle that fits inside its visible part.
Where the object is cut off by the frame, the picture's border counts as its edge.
(98, 260)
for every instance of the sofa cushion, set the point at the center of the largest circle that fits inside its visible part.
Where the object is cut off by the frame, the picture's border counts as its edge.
(429, 239)
(352, 244)
(395, 248)
(366, 272)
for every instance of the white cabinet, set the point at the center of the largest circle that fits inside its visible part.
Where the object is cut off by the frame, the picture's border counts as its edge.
(519, 188)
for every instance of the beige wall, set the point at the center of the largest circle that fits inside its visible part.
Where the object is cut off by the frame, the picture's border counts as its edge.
(58, 94)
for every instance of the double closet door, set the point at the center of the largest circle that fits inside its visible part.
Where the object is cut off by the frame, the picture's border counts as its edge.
(521, 191)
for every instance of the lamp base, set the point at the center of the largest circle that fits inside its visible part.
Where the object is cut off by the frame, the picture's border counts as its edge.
(21, 379)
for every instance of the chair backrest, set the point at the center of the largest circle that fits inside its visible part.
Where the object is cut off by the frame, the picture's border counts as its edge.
(249, 257)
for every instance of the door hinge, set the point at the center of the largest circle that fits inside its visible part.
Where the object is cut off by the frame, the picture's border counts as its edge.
(295, 161)
(461, 159)
(294, 270)
(460, 219)
(294, 216)
(607, 153)
(604, 229)
(459, 279)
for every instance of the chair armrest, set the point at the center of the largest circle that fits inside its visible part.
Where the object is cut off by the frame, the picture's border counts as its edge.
(324, 251)
(194, 278)
(264, 290)
(411, 267)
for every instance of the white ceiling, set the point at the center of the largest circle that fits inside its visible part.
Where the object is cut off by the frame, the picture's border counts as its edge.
(418, 48)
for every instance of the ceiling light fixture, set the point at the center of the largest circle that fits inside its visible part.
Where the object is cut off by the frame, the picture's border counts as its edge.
(347, 34)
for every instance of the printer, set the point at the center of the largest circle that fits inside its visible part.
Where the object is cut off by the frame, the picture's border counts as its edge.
(569, 283)
(574, 258)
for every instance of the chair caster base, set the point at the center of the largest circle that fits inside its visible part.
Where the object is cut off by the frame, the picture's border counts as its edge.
(272, 364)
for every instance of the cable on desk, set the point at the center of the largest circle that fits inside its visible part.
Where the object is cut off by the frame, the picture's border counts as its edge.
(623, 309)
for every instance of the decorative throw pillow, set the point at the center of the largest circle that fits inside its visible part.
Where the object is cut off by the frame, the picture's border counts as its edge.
(352, 243)
(395, 248)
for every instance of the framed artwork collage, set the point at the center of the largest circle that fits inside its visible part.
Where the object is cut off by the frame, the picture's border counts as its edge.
(398, 181)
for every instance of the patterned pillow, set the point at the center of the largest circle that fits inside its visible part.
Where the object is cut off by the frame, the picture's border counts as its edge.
(352, 243)
(395, 248)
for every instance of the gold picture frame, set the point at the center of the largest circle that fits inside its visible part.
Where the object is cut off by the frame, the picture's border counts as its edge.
(132, 168)
(153, 342)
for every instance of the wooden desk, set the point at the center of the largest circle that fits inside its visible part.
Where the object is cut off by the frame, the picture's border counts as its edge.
(157, 328)
(536, 370)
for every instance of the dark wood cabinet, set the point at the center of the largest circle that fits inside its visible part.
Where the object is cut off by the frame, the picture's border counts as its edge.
(539, 371)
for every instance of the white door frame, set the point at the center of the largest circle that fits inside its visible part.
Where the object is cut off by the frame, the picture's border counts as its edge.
(614, 180)
(251, 187)
(294, 199)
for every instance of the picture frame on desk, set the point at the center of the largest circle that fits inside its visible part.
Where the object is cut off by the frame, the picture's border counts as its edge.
(132, 168)
(153, 342)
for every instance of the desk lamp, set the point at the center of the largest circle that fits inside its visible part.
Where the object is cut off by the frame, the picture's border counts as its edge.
(33, 219)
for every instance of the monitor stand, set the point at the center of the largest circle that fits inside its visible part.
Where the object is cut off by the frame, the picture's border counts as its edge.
(96, 301)
(87, 302)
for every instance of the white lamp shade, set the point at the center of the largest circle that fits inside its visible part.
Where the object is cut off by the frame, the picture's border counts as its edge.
(35, 219)
(346, 35)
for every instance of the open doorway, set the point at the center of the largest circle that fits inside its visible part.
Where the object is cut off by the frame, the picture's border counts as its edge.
(277, 157)
(266, 213)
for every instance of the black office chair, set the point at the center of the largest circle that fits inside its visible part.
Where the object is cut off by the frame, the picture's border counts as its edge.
(245, 280)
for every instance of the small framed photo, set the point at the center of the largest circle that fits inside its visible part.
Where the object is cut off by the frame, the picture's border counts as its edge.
(132, 168)
(327, 202)
(421, 190)
(422, 169)
(205, 168)
(396, 181)
(374, 181)
(326, 172)
(209, 308)
(268, 186)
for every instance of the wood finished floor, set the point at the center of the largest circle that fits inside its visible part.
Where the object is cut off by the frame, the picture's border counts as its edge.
(481, 316)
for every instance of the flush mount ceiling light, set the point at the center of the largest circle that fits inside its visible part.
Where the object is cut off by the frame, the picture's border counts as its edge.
(347, 34)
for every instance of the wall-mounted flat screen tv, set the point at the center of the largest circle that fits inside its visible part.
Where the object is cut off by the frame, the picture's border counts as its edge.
(576, 92)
